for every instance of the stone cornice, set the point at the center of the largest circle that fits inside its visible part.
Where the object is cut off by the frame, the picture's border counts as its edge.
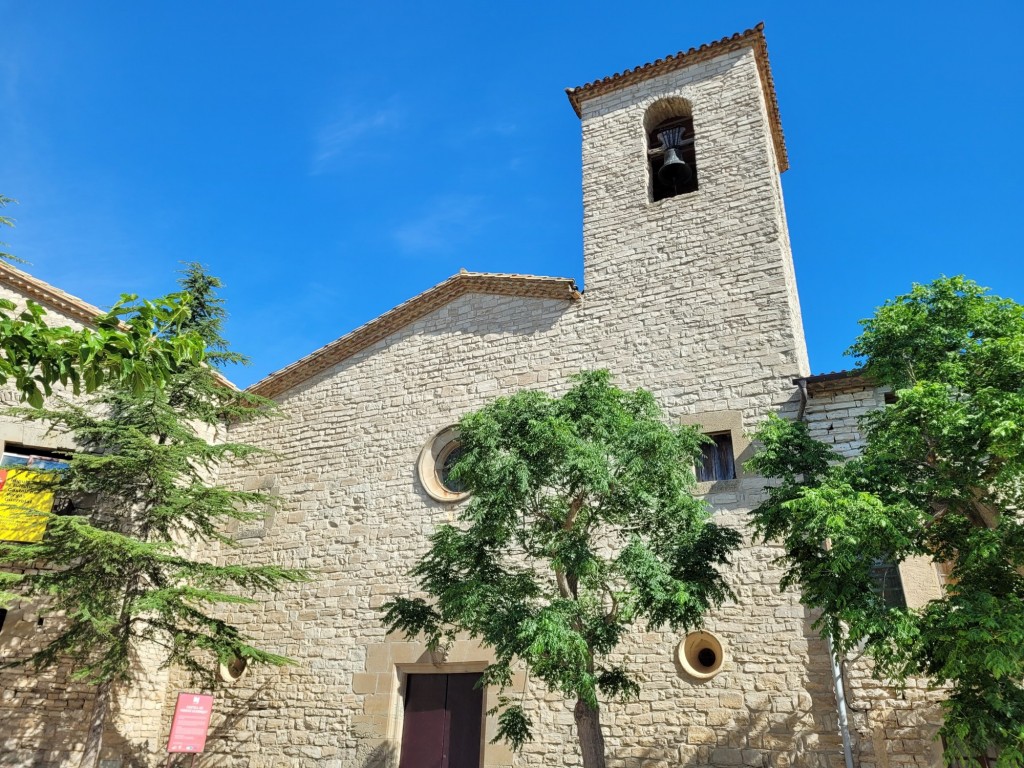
(837, 381)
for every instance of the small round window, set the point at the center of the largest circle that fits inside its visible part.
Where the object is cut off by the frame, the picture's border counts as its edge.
(437, 460)
(233, 668)
(701, 654)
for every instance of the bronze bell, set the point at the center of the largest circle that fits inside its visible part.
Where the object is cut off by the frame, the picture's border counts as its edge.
(674, 171)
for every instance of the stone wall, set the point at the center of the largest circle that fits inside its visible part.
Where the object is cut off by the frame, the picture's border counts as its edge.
(692, 297)
(890, 729)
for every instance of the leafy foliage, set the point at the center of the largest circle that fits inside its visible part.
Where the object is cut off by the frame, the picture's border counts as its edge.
(941, 476)
(581, 523)
(132, 344)
(118, 561)
(7, 221)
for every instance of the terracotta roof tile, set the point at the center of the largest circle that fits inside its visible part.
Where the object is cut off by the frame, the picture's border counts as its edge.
(752, 38)
(821, 382)
(43, 293)
(409, 311)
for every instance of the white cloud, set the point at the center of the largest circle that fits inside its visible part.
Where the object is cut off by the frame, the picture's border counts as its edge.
(351, 137)
(447, 221)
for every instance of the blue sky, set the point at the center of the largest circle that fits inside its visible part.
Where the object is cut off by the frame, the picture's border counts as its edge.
(330, 160)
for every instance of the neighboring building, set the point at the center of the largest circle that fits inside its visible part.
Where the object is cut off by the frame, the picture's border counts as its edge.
(690, 293)
(44, 716)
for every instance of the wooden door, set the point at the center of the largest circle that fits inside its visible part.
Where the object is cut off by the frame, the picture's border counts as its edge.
(443, 718)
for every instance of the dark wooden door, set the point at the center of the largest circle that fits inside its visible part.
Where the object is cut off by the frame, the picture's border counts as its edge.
(443, 717)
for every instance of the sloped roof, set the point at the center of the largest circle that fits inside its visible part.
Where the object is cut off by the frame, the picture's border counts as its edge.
(837, 380)
(78, 309)
(528, 286)
(43, 293)
(751, 38)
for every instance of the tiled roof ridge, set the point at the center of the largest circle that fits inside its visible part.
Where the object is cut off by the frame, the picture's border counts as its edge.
(753, 37)
(43, 292)
(409, 311)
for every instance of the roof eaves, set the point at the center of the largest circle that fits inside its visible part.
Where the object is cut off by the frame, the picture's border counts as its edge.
(530, 286)
(43, 293)
(753, 38)
(835, 380)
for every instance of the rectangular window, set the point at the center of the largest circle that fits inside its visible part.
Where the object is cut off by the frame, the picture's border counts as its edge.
(944, 571)
(717, 461)
(990, 758)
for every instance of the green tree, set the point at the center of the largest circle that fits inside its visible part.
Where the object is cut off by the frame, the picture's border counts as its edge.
(127, 344)
(581, 523)
(6, 221)
(124, 567)
(941, 475)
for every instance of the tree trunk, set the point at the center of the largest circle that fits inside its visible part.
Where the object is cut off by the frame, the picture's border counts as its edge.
(588, 729)
(94, 740)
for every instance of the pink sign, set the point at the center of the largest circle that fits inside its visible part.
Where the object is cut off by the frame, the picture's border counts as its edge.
(191, 722)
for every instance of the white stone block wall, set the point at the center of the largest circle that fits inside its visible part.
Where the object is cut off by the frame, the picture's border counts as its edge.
(890, 729)
(693, 298)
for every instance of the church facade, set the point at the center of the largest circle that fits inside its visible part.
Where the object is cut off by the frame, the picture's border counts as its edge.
(690, 293)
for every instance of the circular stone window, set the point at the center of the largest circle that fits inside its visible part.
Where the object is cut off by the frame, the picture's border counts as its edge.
(233, 669)
(437, 459)
(700, 654)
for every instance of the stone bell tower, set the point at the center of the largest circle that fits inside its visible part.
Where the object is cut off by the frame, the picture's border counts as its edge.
(690, 293)
(683, 210)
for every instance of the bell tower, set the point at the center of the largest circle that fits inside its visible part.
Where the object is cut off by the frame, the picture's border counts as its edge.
(682, 200)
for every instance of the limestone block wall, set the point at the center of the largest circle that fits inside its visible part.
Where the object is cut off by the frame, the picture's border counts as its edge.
(890, 729)
(710, 273)
(354, 511)
(692, 297)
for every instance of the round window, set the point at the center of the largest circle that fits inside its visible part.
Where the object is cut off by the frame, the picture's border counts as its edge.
(437, 460)
(233, 668)
(701, 654)
(451, 456)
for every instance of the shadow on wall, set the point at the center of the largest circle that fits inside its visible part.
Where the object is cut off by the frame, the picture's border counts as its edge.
(43, 715)
(771, 728)
(234, 708)
(131, 755)
(384, 755)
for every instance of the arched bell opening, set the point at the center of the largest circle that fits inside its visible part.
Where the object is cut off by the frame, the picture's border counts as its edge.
(671, 148)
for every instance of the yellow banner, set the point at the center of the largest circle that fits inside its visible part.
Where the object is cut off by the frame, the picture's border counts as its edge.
(23, 504)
